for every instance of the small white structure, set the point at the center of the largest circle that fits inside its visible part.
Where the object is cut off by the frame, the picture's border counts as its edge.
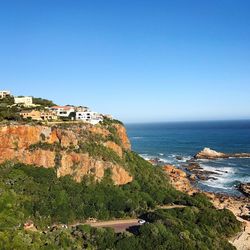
(62, 111)
(25, 101)
(4, 93)
(89, 116)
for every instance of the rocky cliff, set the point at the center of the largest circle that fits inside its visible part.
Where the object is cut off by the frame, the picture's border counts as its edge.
(71, 149)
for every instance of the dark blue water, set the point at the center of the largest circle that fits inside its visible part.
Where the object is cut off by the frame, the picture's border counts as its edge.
(168, 140)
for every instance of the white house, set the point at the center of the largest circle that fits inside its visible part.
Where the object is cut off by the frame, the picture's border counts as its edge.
(25, 100)
(89, 116)
(63, 111)
(4, 93)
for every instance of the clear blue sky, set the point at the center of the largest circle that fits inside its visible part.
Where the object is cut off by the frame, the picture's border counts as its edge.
(139, 60)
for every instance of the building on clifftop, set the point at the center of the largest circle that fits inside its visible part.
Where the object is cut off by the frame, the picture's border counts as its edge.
(26, 101)
(4, 93)
(38, 115)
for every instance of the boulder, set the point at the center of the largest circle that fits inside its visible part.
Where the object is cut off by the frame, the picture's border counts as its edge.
(208, 153)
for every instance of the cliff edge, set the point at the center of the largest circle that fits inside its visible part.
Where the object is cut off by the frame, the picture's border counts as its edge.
(71, 149)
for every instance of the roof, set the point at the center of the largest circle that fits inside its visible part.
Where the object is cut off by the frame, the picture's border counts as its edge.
(62, 107)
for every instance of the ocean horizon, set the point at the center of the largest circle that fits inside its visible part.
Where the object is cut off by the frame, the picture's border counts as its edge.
(177, 142)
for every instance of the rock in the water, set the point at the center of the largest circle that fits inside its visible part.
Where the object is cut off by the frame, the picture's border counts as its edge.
(193, 166)
(208, 153)
(179, 158)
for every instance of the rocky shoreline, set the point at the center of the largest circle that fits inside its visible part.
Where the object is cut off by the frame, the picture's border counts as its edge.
(239, 206)
(185, 179)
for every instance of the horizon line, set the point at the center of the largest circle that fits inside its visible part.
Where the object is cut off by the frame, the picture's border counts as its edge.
(191, 121)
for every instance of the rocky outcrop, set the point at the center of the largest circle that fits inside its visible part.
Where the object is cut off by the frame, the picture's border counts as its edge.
(122, 134)
(79, 165)
(57, 147)
(178, 178)
(197, 172)
(116, 148)
(39, 157)
(208, 153)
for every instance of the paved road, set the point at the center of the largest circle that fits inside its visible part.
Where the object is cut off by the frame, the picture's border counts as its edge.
(123, 225)
(117, 225)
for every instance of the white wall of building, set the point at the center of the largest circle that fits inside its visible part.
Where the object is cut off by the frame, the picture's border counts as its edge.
(63, 111)
(90, 117)
(4, 93)
(26, 100)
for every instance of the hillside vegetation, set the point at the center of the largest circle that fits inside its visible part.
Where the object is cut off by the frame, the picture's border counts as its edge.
(36, 193)
(67, 173)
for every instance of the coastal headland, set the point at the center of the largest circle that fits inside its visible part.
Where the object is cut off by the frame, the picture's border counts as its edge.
(64, 181)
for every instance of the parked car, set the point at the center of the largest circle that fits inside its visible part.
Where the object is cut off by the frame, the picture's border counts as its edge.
(141, 222)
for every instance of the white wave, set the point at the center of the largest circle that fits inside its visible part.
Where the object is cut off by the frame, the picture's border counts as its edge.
(224, 170)
(146, 156)
(223, 182)
(215, 184)
(160, 159)
(165, 160)
(185, 158)
(203, 160)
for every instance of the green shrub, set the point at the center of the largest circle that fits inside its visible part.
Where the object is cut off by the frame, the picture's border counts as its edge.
(99, 151)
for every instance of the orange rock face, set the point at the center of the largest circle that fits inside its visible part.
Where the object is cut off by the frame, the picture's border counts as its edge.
(114, 147)
(10, 136)
(79, 165)
(178, 179)
(121, 131)
(98, 130)
(15, 142)
(120, 176)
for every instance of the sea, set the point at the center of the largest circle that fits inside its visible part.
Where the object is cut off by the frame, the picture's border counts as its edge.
(177, 142)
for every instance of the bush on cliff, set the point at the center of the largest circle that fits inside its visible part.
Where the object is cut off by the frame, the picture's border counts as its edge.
(43, 102)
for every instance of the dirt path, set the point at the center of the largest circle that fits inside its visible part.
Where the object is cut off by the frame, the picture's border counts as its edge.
(242, 240)
(170, 206)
